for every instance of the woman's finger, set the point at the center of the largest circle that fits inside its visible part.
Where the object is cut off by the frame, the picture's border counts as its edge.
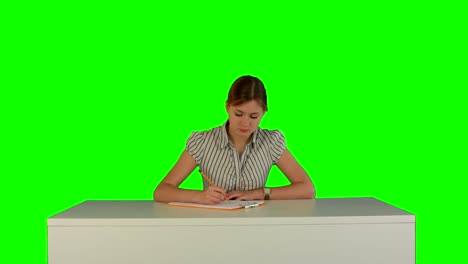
(218, 190)
(233, 195)
(216, 197)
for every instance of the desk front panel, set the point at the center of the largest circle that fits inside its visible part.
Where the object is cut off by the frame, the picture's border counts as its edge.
(390, 243)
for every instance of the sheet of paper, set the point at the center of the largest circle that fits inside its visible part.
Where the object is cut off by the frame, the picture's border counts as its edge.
(225, 205)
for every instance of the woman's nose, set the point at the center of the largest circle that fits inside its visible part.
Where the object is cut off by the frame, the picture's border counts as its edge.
(245, 120)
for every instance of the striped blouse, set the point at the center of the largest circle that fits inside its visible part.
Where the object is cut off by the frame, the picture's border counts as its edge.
(218, 159)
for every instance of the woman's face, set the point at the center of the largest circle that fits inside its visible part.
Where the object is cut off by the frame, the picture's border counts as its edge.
(244, 118)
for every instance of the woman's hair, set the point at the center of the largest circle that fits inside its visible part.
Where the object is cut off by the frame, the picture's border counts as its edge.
(247, 88)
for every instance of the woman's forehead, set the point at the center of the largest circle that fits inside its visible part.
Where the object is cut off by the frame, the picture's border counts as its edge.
(249, 107)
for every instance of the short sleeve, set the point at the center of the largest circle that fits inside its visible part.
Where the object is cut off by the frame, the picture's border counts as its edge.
(195, 146)
(277, 145)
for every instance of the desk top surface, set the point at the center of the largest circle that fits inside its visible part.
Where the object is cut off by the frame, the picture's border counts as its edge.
(317, 211)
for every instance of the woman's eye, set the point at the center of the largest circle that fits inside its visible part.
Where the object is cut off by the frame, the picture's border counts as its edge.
(254, 117)
(238, 114)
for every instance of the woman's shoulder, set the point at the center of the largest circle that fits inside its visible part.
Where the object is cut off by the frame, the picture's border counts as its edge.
(210, 131)
(198, 141)
(272, 140)
(206, 134)
(270, 133)
(270, 137)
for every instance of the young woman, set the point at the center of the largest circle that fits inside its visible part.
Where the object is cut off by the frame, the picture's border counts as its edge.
(237, 156)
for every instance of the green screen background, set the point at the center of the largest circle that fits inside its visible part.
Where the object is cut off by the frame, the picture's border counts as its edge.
(98, 100)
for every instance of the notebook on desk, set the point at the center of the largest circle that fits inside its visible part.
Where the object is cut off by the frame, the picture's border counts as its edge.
(225, 205)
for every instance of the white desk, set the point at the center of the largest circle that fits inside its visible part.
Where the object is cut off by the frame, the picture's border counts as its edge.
(352, 230)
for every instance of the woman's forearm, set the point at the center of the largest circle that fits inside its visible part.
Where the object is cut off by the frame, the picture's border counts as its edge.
(169, 193)
(294, 191)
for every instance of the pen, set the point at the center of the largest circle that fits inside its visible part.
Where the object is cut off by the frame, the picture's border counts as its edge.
(206, 178)
(209, 181)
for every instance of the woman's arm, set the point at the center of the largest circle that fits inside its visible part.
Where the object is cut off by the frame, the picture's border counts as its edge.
(301, 186)
(168, 190)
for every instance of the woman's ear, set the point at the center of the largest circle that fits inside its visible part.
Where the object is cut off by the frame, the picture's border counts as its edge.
(227, 107)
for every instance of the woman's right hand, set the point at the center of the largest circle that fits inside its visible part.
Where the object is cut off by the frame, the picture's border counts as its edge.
(212, 195)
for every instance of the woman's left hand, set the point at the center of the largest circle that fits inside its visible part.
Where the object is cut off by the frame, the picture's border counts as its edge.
(256, 194)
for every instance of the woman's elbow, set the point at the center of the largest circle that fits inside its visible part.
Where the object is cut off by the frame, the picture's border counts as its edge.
(310, 193)
(162, 192)
(157, 194)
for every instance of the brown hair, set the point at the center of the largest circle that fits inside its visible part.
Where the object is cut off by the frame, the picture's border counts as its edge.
(247, 88)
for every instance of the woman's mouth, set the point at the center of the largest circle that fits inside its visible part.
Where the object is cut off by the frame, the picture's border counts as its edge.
(244, 130)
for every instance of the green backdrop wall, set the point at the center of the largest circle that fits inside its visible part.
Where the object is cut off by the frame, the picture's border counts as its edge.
(98, 100)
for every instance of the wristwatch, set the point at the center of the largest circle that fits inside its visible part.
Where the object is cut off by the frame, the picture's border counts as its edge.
(266, 193)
